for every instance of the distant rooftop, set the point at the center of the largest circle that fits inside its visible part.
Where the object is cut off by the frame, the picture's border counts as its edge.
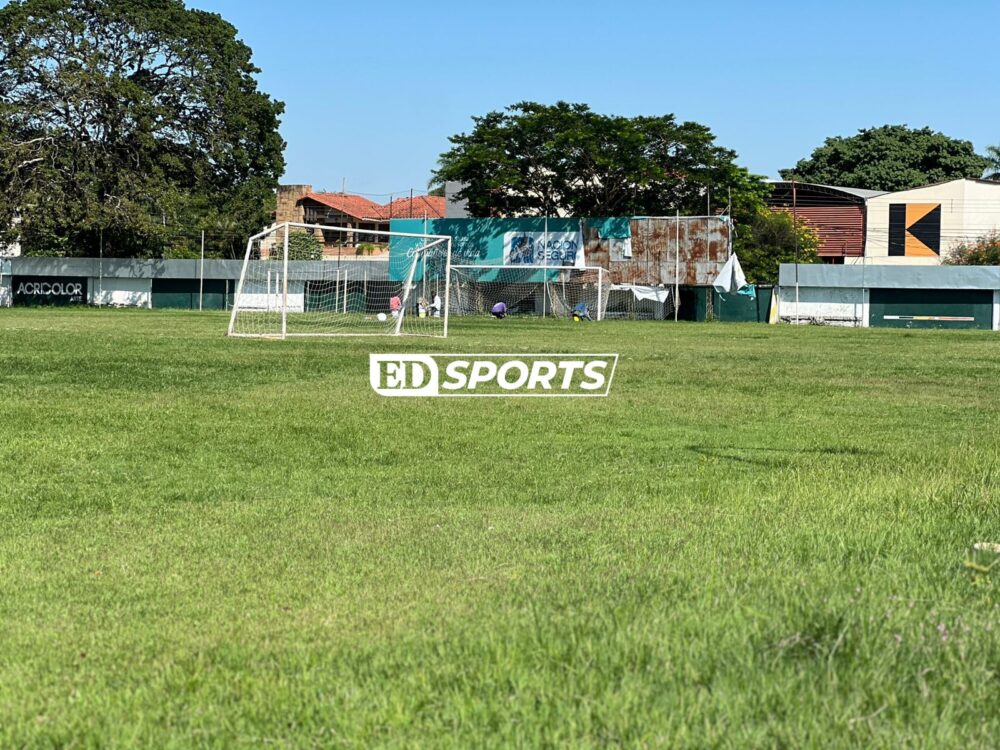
(359, 207)
(856, 192)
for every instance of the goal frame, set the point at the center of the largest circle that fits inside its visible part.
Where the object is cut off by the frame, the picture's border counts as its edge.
(601, 271)
(284, 230)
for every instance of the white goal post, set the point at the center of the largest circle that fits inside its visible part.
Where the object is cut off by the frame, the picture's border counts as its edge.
(317, 280)
(546, 291)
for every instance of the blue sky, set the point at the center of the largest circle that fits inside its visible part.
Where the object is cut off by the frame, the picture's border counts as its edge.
(373, 89)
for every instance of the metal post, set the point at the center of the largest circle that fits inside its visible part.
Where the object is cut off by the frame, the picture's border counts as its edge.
(447, 286)
(284, 294)
(545, 263)
(345, 292)
(677, 265)
(600, 296)
(100, 271)
(201, 274)
(239, 287)
(409, 287)
(864, 292)
(732, 225)
(795, 239)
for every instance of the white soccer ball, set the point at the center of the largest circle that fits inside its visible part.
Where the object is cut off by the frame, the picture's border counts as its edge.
(382, 317)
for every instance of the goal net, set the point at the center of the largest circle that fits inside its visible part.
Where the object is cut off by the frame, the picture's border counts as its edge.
(527, 290)
(314, 280)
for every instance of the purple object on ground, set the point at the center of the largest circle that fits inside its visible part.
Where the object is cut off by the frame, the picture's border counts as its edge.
(499, 310)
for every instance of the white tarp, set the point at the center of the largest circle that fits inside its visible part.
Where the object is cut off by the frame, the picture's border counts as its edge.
(653, 293)
(731, 278)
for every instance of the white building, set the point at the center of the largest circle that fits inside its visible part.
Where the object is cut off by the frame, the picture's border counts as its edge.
(923, 225)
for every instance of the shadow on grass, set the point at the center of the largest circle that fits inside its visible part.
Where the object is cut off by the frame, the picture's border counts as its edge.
(786, 457)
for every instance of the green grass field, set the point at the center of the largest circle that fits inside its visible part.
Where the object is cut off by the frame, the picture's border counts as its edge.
(759, 539)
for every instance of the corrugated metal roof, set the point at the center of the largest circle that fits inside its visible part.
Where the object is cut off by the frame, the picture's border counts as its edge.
(841, 229)
(856, 192)
(860, 192)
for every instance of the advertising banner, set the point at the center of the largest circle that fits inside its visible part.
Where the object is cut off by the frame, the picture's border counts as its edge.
(493, 241)
(49, 290)
(543, 249)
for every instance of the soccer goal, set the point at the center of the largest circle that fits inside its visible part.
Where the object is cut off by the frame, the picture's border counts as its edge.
(316, 280)
(527, 290)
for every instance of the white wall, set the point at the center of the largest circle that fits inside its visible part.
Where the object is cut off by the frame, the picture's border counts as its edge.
(256, 296)
(113, 292)
(831, 305)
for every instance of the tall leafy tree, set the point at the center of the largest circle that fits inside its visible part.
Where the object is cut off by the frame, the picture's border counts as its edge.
(993, 163)
(565, 159)
(772, 238)
(890, 157)
(122, 119)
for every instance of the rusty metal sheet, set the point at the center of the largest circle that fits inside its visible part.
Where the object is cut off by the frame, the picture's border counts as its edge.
(701, 242)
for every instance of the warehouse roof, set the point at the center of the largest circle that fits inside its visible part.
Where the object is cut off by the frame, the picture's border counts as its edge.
(816, 187)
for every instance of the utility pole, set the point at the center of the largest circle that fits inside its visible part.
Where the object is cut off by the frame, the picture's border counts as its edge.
(201, 274)
(795, 239)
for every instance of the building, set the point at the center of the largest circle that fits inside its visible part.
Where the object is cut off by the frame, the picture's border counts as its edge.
(837, 214)
(889, 296)
(671, 258)
(300, 204)
(921, 226)
(178, 284)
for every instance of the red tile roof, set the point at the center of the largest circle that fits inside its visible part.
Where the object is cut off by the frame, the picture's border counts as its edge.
(431, 206)
(353, 205)
(359, 207)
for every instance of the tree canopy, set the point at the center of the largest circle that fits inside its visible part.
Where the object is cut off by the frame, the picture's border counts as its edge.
(992, 163)
(564, 159)
(122, 121)
(890, 158)
(773, 238)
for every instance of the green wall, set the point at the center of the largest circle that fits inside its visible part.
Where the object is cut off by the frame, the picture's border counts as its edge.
(729, 308)
(474, 241)
(183, 294)
(904, 308)
(738, 308)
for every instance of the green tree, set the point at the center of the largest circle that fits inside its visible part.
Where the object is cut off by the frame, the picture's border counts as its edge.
(302, 246)
(534, 159)
(993, 163)
(891, 157)
(122, 122)
(984, 251)
(773, 238)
